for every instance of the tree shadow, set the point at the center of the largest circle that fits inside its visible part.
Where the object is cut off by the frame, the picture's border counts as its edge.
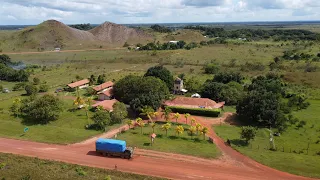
(134, 133)
(172, 137)
(239, 142)
(146, 144)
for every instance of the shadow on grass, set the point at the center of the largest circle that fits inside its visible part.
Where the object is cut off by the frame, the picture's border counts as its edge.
(238, 142)
(146, 144)
(173, 137)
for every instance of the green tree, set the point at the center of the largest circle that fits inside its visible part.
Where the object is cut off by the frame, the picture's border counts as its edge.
(166, 113)
(31, 89)
(130, 123)
(192, 130)
(36, 81)
(298, 101)
(193, 84)
(226, 77)
(211, 68)
(248, 133)
(5, 59)
(140, 123)
(147, 111)
(42, 109)
(43, 88)
(101, 119)
(166, 127)
(101, 79)
(162, 73)
(1, 88)
(119, 112)
(179, 130)
(92, 80)
(193, 121)
(16, 107)
(140, 92)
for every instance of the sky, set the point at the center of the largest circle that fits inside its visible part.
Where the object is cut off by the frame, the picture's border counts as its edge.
(29, 12)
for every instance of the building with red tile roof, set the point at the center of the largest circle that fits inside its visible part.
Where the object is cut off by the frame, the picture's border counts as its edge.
(106, 95)
(106, 105)
(189, 102)
(81, 84)
(103, 86)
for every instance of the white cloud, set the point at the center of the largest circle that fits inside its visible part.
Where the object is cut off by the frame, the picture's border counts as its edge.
(155, 11)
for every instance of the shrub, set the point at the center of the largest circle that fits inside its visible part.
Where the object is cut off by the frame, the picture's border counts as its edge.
(211, 69)
(196, 111)
(43, 88)
(31, 89)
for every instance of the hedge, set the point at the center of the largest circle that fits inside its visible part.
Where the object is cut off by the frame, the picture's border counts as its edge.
(196, 111)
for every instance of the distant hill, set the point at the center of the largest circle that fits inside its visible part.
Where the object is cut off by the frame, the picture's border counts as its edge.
(54, 34)
(119, 34)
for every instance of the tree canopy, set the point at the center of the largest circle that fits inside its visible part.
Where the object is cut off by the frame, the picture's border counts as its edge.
(226, 77)
(141, 91)
(162, 73)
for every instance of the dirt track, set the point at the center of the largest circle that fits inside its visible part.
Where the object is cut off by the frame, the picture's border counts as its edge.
(232, 165)
(43, 52)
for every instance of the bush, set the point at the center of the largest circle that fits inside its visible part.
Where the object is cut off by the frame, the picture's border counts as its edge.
(19, 86)
(36, 81)
(43, 88)
(211, 69)
(196, 111)
(31, 89)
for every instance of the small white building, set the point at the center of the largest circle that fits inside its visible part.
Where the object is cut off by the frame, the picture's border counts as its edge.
(106, 95)
(57, 49)
(178, 86)
(174, 42)
(196, 95)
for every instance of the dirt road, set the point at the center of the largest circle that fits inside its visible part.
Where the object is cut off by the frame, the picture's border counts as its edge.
(43, 52)
(232, 165)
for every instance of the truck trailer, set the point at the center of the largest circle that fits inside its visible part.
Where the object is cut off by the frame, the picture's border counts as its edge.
(113, 147)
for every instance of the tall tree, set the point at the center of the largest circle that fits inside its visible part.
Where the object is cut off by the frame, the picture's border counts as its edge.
(248, 133)
(204, 131)
(16, 107)
(119, 112)
(31, 89)
(192, 130)
(162, 73)
(198, 127)
(129, 123)
(140, 123)
(179, 130)
(187, 115)
(166, 113)
(176, 116)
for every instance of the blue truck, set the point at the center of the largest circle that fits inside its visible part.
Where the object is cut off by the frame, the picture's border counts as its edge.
(113, 147)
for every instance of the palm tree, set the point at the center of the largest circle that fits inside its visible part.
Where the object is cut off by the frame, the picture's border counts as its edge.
(193, 121)
(147, 111)
(140, 123)
(192, 130)
(166, 113)
(87, 104)
(187, 116)
(129, 123)
(153, 125)
(177, 116)
(198, 127)
(16, 107)
(204, 131)
(179, 130)
(166, 127)
(78, 101)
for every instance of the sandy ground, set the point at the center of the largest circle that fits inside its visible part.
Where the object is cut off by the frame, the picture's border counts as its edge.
(231, 165)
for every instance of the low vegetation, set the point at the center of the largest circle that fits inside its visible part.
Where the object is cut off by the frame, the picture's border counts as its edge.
(33, 168)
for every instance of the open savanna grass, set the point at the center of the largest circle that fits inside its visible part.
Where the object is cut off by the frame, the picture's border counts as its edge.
(20, 167)
(289, 144)
(69, 128)
(182, 144)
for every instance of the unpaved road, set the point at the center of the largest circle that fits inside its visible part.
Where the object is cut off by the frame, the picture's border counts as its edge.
(43, 52)
(232, 165)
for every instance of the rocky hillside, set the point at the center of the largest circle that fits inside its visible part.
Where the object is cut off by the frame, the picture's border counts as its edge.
(118, 34)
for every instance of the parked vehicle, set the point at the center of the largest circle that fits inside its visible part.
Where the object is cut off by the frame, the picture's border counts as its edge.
(113, 147)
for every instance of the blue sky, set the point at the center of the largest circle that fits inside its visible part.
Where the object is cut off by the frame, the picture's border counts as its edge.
(156, 11)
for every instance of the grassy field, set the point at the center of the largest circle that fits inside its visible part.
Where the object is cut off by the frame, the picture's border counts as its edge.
(182, 144)
(292, 153)
(69, 128)
(19, 167)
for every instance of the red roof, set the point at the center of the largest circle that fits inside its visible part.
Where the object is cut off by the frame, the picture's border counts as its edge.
(79, 83)
(103, 86)
(107, 104)
(189, 102)
(108, 92)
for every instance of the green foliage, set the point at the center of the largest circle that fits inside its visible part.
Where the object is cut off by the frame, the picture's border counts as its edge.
(36, 81)
(141, 91)
(101, 119)
(1, 88)
(19, 86)
(230, 93)
(9, 74)
(162, 73)
(43, 88)
(84, 27)
(101, 79)
(196, 111)
(119, 112)
(193, 85)
(92, 80)
(248, 133)
(226, 77)
(298, 101)
(211, 69)
(161, 29)
(270, 84)
(41, 110)
(80, 171)
(31, 89)
(5, 59)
